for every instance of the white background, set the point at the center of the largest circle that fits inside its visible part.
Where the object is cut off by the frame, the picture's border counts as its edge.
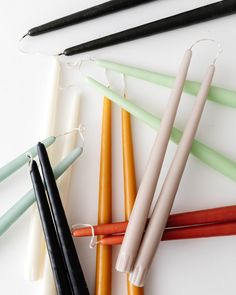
(206, 266)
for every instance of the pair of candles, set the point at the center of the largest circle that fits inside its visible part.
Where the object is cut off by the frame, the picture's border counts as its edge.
(204, 13)
(137, 250)
(188, 225)
(65, 264)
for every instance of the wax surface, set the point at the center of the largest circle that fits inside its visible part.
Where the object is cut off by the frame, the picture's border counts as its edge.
(129, 181)
(84, 15)
(104, 253)
(21, 160)
(197, 15)
(219, 95)
(54, 250)
(204, 153)
(11, 216)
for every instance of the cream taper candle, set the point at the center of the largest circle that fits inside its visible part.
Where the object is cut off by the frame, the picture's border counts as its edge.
(36, 245)
(139, 215)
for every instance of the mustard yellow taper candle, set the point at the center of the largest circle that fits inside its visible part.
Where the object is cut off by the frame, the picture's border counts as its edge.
(129, 181)
(104, 253)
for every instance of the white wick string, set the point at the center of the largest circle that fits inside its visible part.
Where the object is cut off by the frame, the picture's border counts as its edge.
(93, 243)
(79, 129)
(30, 159)
(78, 63)
(220, 49)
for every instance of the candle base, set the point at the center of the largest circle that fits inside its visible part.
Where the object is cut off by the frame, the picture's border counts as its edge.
(138, 276)
(124, 262)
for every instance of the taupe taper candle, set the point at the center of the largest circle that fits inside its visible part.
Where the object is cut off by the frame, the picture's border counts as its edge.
(169, 189)
(147, 188)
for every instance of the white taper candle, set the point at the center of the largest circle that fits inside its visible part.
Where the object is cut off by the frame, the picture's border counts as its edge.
(36, 245)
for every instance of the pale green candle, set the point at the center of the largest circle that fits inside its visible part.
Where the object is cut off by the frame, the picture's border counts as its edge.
(28, 199)
(21, 160)
(204, 153)
(220, 95)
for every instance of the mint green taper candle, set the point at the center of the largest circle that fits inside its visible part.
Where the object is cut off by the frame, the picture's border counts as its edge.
(217, 94)
(22, 159)
(28, 199)
(204, 153)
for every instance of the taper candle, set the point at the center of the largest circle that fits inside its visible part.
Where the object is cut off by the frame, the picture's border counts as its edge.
(139, 215)
(11, 216)
(36, 245)
(69, 144)
(180, 233)
(53, 246)
(75, 273)
(84, 15)
(197, 15)
(104, 253)
(225, 214)
(216, 94)
(203, 152)
(169, 189)
(129, 181)
(12, 166)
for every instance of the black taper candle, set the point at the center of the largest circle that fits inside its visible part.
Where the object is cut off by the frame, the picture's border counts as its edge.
(76, 275)
(53, 247)
(183, 19)
(84, 15)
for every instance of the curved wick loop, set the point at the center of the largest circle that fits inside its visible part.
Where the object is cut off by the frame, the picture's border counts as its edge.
(79, 129)
(78, 63)
(30, 159)
(33, 52)
(93, 243)
(219, 51)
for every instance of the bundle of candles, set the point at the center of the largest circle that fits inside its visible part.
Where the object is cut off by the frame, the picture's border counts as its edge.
(139, 235)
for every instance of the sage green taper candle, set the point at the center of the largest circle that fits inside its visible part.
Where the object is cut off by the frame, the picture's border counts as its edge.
(22, 159)
(217, 94)
(28, 199)
(204, 153)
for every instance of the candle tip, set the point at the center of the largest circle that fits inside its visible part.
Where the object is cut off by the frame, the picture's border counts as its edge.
(27, 34)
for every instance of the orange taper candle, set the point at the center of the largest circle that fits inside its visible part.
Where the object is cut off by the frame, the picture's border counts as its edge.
(129, 181)
(104, 253)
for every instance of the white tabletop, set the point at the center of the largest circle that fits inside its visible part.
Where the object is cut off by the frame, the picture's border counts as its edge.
(202, 266)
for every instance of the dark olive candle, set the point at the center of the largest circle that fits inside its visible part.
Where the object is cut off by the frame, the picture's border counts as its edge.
(183, 19)
(84, 15)
(75, 272)
(53, 247)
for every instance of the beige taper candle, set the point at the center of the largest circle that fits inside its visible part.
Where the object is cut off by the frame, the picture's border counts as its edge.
(166, 198)
(147, 188)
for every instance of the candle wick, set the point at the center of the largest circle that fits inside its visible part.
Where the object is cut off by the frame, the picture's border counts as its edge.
(30, 160)
(218, 44)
